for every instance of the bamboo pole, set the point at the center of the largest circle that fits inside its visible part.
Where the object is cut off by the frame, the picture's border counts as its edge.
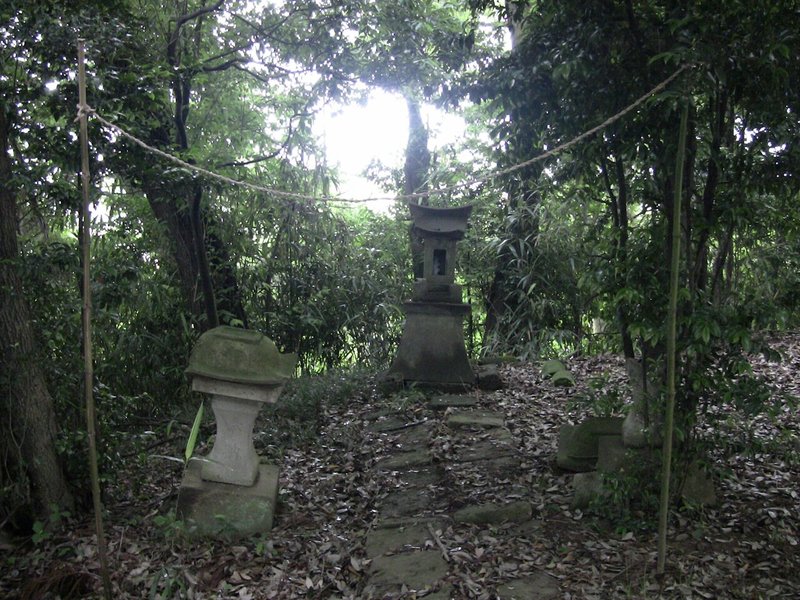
(88, 369)
(666, 467)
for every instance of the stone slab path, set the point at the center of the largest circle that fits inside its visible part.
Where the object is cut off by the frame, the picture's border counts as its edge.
(448, 443)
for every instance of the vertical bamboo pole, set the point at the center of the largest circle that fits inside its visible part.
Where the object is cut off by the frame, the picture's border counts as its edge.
(88, 370)
(671, 340)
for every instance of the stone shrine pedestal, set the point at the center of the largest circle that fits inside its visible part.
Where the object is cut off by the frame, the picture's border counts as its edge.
(431, 350)
(231, 493)
(212, 509)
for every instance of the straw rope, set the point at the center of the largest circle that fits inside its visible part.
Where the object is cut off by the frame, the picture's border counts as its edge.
(85, 109)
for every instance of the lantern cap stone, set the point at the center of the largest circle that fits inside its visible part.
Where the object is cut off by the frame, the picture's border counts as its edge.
(449, 222)
(240, 356)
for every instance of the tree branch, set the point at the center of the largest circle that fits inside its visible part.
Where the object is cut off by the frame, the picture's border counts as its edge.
(172, 45)
(252, 161)
(203, 10)
(235, 50)
(222, 66)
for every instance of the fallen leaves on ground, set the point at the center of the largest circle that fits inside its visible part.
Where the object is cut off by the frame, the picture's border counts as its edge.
(746, 547)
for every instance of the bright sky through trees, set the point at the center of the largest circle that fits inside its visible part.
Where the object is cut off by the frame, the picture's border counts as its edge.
(357, 134)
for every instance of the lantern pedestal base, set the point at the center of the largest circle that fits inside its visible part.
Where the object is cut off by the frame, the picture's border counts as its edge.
(225, 511)
(431, 351)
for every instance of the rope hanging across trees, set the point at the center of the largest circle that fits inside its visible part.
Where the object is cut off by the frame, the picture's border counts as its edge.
(85, 109)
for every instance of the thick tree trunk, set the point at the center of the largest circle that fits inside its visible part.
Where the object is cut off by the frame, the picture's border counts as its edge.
(496, 301)
(619, 216)
(172, 206)
(28, 459)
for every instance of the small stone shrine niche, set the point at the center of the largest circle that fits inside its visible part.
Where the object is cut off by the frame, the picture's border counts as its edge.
(432, 350)
(231, 491)
(438, 230)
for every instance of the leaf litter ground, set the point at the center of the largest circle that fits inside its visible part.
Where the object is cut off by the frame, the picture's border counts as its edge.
(331, 495)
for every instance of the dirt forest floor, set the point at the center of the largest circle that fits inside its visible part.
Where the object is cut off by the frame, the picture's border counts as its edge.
(331, 494)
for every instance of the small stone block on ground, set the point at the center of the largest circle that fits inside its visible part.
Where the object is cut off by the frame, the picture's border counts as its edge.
(698, 487)
(489, 378)
(564, 457)
(226, 511)
(587, 487)
(612, 455)
(475, 418)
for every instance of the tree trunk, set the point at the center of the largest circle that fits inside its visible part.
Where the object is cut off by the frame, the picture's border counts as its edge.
(172, 207)
(415, 172)
(496, 301)
(207, 278)
(619, 216)
(28, 459)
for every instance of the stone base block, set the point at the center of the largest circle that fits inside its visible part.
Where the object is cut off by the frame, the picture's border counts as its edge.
(612, 455)
(578, 445)
(432, 353)
(587, 487)
(489, 378)
(226, 511)
(564, 458)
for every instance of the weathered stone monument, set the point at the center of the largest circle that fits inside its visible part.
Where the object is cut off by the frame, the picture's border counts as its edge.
(601, 447)
(231, 491)
(432, 350)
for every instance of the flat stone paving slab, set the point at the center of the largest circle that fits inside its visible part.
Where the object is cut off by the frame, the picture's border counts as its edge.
(487, 448)
(495, 514)
(407, 502)
(389, 424)
(539, 586)
(404, 461)
(452, 400)
(423, 476)
(475, 418)
(446, 592)
(413, 438)
(386, 424)
(498, 464)
(404, 536)
(416, 571)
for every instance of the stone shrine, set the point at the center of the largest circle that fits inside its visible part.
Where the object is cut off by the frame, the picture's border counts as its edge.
(432, 350)
(230, 491)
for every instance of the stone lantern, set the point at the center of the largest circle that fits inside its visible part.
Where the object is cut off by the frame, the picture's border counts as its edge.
(432, 350)
(231, 489)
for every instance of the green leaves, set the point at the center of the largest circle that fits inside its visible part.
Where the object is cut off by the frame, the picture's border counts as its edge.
(195, 431)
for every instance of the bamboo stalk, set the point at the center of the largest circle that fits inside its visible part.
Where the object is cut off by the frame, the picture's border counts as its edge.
(88, 369)
(669, 421)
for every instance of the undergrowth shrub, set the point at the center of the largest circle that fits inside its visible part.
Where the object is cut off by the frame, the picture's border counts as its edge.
(299, 415)
(630, 497)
